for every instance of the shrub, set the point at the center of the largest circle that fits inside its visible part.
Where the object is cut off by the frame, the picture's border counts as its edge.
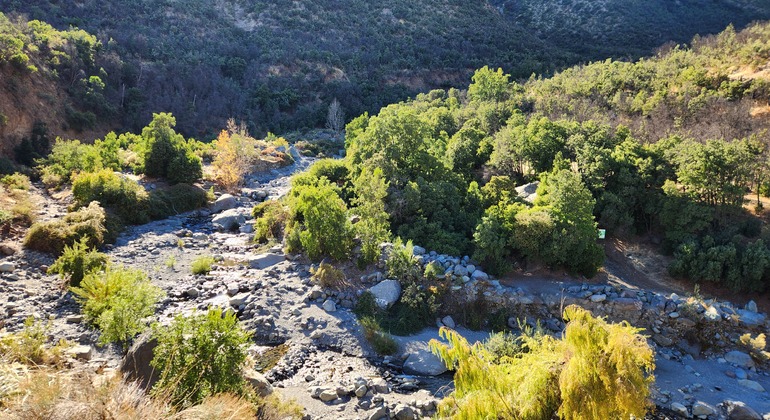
(68, 157)
(52, 236)
(176, 199)
(235, 152)
(202, 264)
(756, 347)
(401, 262)
(122, 195)
(433, 270)
(328, 276)
(185, 167)
(117, 301)
(271, 219)
(200, 356)
(319, 221)
(16, 181)
(382, 343)
(597, 370)
(28, 346)
(77, 261)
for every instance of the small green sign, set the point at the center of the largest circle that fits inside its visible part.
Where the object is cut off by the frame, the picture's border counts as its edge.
(602, 233)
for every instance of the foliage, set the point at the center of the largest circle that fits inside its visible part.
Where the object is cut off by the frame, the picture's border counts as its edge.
(741, 267)
(54, 235)
(401, 262)
(235, 152)
(202, 264)
(200, 356)
(382, 343)
(271, 217)
(117, 301)
(756, 346)
(167, 154)
(28, 345)
(122, 195)
(328, 276)
(319, 220)
(597, 370)
(77, 261)
(16, 181)
(66, 158)
(372, 228)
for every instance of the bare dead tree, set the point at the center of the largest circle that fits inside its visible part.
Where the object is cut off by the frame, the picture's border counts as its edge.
(335, 119)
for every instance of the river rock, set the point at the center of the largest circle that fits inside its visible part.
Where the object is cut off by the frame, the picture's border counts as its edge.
(386, 293)
(228, 219)
(739, 358)
(258, 381)
(701, 408)
(136, 367)
(7, 267)
(329, 305)
(680, 409)
(752, 385)
(424, 362)
(224, 202)
(263, 261)
(738, 410)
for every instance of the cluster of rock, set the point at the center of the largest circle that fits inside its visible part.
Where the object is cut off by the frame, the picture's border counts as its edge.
(370, 397)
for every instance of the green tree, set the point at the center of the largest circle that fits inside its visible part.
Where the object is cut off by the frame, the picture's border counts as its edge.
(373, 228)
(489, 85)
(573, 242)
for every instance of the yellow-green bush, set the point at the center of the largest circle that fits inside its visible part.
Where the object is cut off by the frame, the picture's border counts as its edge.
(117, 301)
(124, 196)
(53, 235)
(77, 261)
(596, 371)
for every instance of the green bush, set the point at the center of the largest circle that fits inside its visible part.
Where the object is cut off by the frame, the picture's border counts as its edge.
(166, 154)
(382, 343)
(16, 181)
(122, 195)
(328, 276)
(202, 264)
(185, 168)
(66, 158)
(200, 356)
(401, 262)
(28, 346)
(176, 199)
(117, 301)
(52, 236)
(270, 222)
(77, 261)
(319, 221)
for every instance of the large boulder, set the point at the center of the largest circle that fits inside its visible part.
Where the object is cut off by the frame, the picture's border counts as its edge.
(739, 358)
(386, 293)
(424, 362)
(738, 410)
(751, 318)
(258, 381)
(225, 202)
(136, 367)
(263, 261)
(228, 219)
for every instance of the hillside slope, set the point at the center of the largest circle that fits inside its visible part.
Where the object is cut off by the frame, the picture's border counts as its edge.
(278, 65)
(598, 29)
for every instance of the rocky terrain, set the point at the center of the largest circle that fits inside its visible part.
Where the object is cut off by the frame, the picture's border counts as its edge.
(322, 359)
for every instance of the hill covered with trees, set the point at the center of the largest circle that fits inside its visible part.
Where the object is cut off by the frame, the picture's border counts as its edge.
(278, 65)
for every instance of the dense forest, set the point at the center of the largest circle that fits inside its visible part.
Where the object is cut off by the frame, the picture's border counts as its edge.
(278, 65)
